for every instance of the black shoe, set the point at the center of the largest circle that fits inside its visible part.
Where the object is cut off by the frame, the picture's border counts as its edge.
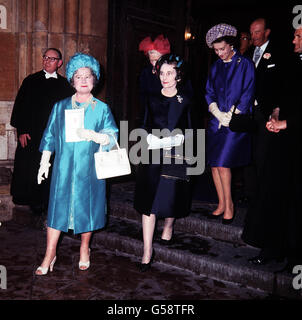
(229, 221)
(288, 268)
(214, 216)
(260, 260)
(143, 267)
(244, 200)
(165, 242)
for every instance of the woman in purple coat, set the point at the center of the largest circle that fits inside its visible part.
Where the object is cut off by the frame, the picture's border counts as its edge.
(230, 83)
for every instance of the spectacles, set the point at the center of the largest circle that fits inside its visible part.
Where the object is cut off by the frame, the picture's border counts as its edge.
(52, 59)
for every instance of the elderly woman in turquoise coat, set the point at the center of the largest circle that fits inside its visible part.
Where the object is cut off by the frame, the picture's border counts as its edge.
(77, 127)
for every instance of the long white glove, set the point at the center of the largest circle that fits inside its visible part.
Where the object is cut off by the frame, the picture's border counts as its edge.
(224, 118)
(44, 166)
(91, 135)
(164, 143)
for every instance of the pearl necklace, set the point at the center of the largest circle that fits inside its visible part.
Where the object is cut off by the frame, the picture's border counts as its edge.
(168, 94)
(74, 104)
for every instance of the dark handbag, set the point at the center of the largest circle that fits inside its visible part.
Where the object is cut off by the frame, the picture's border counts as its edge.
(176, 169)
(242, 122)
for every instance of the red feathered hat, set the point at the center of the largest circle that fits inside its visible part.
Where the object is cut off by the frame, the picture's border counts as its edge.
(160, 44)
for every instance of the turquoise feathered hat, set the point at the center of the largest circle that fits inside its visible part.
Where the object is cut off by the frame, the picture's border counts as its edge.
(82, 60)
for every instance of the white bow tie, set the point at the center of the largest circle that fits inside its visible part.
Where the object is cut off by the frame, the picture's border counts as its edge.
(51, 75)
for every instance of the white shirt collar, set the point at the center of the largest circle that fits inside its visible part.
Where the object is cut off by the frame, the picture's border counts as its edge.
(50, 75)
(262, 49)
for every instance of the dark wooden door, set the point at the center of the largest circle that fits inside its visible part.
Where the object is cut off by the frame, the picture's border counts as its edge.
(129, 22)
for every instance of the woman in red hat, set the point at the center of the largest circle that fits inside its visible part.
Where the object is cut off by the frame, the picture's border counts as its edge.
(153, 50)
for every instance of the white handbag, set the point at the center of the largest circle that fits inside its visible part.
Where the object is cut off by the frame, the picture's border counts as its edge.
(112, 163)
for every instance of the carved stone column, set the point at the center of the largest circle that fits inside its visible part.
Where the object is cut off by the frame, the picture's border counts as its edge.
(71, 28)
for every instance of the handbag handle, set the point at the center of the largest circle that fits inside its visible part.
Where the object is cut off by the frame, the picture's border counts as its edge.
(242, 113)
(116, 143)
(235, 108)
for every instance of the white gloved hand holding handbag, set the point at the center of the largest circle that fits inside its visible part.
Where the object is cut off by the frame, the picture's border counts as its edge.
(153, 141)
(91, 135)
(44, 166)
(224, 118)
(164, 143)
(173, 141)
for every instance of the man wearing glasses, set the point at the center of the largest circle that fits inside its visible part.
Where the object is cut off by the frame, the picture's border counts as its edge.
(34, 101)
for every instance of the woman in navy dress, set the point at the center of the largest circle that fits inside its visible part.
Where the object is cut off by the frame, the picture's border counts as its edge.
(149, 83)
(230, 83)
(158, 196)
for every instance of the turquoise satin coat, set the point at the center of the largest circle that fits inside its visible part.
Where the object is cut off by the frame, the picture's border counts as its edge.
(77, 198)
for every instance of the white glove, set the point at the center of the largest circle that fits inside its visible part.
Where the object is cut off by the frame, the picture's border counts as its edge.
(173, 141)
(224, 118)
(44, 166)
(164, 143)
(91, 135)
(153, 141)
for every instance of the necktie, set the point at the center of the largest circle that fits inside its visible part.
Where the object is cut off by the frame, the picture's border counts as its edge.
(51, 75)
(256, 55)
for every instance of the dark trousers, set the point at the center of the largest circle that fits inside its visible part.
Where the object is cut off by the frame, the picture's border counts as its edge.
(260, 141)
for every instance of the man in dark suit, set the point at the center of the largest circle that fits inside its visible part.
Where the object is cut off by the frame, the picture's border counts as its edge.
(289, 126)
(267, 99)
(33, 104)
(268, 71)
(275, 223)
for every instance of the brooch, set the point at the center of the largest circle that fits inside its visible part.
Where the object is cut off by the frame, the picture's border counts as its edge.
(238, 61)
(93, 104)
(267, 55)
(179, 98)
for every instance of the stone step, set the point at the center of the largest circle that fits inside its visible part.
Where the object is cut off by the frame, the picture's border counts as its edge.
(6, 204)
(121, 206)
(202, 255)
(201, 245)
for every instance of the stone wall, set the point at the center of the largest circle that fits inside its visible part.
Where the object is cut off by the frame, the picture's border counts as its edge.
(7, 132)
(27, 28)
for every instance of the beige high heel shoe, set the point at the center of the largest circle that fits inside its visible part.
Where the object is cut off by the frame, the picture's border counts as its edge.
(84, 265)
(44, 271)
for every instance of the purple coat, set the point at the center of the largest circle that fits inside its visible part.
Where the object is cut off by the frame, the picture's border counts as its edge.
(229, 83)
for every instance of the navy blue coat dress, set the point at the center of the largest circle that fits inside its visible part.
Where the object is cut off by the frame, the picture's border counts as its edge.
(229, 83)
(149, 84)
(154, 193)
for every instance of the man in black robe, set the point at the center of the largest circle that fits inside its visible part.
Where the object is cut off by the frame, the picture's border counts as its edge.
(33, 104)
